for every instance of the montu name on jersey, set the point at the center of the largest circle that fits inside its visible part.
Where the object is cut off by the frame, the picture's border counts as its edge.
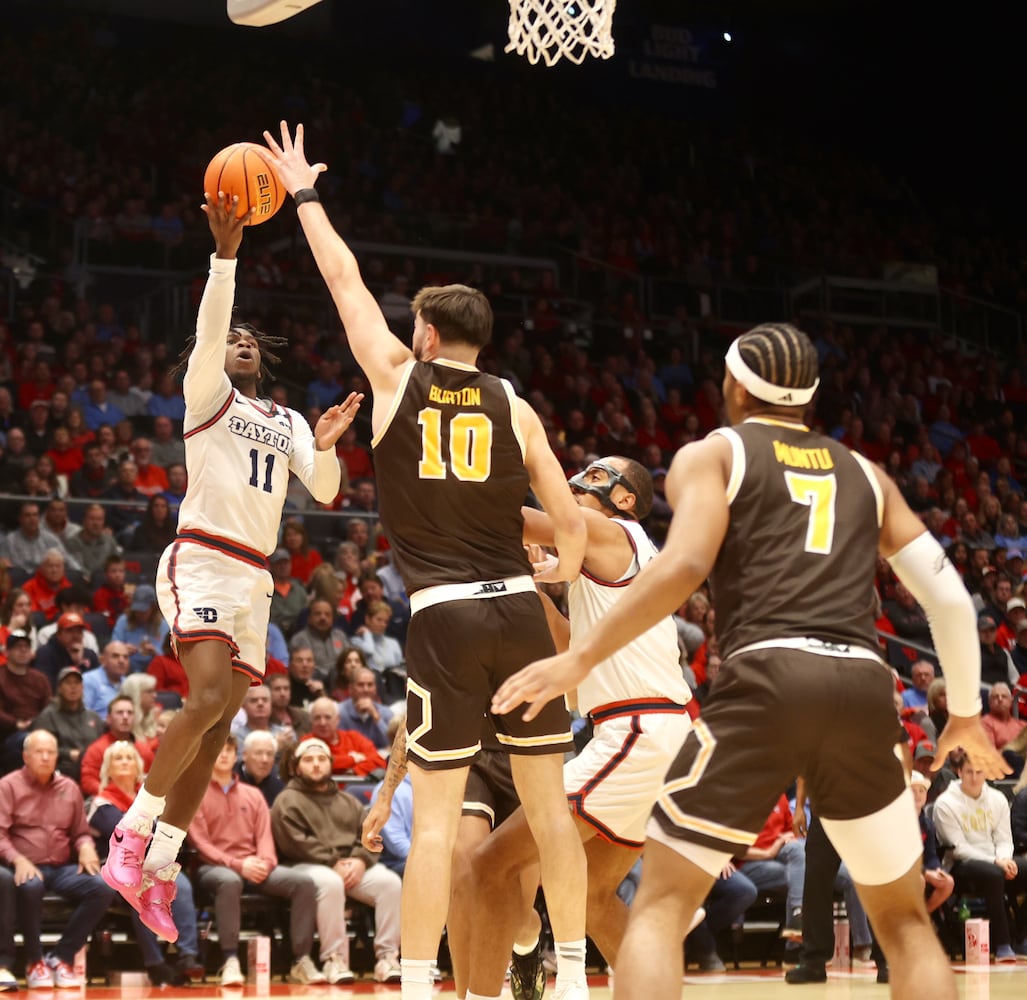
(253, 431)
(455, 397)
(802, 458)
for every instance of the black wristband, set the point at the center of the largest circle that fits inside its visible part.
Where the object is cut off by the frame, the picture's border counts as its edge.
(304, 195)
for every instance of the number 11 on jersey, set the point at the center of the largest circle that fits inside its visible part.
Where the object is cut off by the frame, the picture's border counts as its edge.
(269, 467)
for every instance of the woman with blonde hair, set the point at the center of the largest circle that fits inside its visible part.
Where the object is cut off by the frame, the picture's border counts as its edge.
(121, 775)
(142, 689)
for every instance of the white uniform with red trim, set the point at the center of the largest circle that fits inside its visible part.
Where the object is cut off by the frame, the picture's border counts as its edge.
(213, 582)
(636, 699)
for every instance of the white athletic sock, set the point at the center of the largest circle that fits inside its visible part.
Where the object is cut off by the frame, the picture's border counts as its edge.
(570, 962)
(144, 807)
(525, 949)
(417, 978)
(164, 848)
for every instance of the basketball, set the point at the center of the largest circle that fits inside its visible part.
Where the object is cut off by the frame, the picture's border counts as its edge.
(244, 169)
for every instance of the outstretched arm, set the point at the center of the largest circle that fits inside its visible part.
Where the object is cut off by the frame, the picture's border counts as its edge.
(377, 350)
(696, 488)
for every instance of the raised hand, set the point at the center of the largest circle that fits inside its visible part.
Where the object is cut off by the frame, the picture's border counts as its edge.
(226, 229)
(291, 162)
(333, 423)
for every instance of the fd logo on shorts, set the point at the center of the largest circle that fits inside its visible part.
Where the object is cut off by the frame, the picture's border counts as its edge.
(207, 615)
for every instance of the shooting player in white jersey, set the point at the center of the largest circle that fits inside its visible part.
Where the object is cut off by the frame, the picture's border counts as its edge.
(213, 582)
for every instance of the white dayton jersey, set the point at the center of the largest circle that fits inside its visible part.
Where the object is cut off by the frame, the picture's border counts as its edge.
(239, 451)
(647, 668)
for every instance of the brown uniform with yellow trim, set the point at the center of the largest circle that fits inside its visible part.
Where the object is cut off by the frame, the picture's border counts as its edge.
(794, 578)
(451, 482)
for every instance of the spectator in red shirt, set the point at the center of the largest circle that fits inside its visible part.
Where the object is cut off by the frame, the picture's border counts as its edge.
(999, 722)
(351, 753)
(150, 479)
(46, 845)
(171, 676)
(356, 456)
(304, 557)
(111, 598)
(66, 456)
(48, 579)
(121, 718)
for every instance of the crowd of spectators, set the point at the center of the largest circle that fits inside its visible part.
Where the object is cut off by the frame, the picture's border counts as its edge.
(92, 469)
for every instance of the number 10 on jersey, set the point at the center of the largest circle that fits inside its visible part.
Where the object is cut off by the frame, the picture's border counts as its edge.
(470, 446)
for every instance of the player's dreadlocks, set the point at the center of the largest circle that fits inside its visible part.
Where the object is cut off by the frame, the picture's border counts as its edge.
(781, 354)
(265, 341)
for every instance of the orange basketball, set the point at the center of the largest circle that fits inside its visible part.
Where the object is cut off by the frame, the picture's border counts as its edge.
(244, 169)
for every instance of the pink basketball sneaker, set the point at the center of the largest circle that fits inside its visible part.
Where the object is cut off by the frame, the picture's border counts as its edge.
(156, 894)
(123, 869)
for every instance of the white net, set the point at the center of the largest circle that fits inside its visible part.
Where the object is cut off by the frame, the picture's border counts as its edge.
(555, 29)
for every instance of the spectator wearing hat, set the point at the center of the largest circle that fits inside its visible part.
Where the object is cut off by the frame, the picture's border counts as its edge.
(317, 830)
(101, 685)
(46, 846)
(37, 429)
(231, 832)
(121, 720)
(94, 544)
(923, 762)
(996, 663)
(24, 693)
(290, 597)
(938, 882)
(66, 648)
(71, 600)
(73, 725)
(1016, 612)
(973, 818)
(352, 754)
(142, 627)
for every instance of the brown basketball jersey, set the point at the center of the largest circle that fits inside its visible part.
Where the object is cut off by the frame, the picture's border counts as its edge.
(451, 478)
(801, 546)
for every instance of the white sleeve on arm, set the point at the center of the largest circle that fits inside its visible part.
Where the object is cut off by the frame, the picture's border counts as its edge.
(206, 383)
(318, 470)
(928, 575)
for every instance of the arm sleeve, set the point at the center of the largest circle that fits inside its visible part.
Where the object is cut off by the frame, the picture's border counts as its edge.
(318, 470)
(206, 384)
(926, 571)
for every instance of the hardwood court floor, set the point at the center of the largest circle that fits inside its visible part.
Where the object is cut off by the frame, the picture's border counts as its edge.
(999, 982)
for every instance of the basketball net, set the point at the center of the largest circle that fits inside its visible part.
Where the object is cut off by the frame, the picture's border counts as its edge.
(555, 29)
